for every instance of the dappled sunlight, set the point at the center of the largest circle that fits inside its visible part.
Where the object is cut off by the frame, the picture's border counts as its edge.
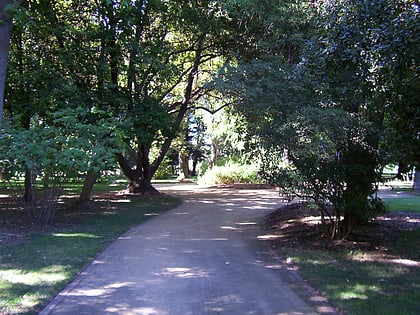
(83, 235)
(268, 237)
(217, 304)
(206, 201)
(208, 239)
(415, 220)
(108, 289)
(184, 273)
(230, 228)
(152, 214)
(120, 200)
(127, 310)
(246, 223)
(46, 275)
(357, 291)
(380, 258)
(196, 255)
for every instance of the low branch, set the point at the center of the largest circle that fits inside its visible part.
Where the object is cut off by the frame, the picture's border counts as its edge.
(213, 111)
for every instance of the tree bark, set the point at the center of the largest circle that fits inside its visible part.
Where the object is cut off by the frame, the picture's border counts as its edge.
(5, 32)
(183, 166)
(88, 184)
(416, 184)
(214, 152)
(139, 178)
(29, 194)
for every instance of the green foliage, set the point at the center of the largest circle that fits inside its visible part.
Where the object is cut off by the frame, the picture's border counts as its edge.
(365, 54)
(67, 146)
(231, 173)
(328, 158)
(342, 96)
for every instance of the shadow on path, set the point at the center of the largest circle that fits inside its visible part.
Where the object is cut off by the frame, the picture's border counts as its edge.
(199, 258)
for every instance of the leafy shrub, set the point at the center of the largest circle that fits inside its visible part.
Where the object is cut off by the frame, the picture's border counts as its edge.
(231, 173)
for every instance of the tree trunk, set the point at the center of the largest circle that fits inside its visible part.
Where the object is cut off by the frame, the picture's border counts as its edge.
(214, 153)
(86, 192)
(140, 176)
(29, 186)
(5, 31)
(416, 184)
(194, 165)
(183, 166)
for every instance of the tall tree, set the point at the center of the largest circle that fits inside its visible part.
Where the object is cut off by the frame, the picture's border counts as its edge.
(170, 47)
(5, 32)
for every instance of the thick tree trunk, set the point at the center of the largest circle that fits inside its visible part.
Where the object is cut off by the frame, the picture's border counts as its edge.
(5, 31)
(142, 186)
(140, 177)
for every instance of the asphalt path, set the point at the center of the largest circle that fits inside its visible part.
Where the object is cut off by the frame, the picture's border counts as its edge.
(206, 256)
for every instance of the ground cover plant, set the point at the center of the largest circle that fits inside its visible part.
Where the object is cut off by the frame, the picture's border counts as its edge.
(37, 262)
(376, 270)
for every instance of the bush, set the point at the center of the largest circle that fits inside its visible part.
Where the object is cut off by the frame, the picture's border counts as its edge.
(231, 173)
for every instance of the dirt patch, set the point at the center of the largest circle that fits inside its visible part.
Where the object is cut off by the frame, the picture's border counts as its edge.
(298, 225)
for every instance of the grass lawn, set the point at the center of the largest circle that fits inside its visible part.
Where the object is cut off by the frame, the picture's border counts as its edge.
(411, 204)
(35, 270)
(359, 282)
(382, 280)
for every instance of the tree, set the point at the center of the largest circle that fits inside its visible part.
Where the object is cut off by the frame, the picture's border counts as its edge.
(169, 59)
(5, 31)
(349, 68)
(366, 58)
(52, 79)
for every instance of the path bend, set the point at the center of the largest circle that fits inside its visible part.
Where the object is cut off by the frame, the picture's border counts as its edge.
(202, 257)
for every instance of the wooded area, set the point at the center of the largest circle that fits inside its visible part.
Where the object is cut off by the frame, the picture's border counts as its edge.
(322, 95)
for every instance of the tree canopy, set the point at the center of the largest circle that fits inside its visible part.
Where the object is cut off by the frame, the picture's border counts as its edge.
(326, 90)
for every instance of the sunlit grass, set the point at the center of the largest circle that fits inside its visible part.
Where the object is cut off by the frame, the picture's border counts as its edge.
(32, 272)
(410, 204)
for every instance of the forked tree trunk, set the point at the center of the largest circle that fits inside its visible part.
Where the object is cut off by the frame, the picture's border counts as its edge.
(140, 176)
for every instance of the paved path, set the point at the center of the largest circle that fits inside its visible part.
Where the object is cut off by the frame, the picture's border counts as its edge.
(200, 258)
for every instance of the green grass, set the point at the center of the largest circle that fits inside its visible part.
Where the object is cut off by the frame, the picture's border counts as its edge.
(411, 204)
(356, 284)
(32, 272)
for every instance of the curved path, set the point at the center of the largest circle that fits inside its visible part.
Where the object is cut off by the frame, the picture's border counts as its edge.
(203, 257)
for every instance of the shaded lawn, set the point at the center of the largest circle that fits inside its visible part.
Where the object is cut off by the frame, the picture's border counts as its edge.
(375, 271)
(362, 282)
(33, 271)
